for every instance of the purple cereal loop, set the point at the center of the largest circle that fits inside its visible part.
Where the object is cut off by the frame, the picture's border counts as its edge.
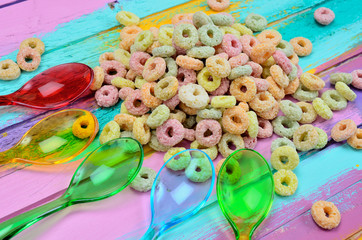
(357, 78)
(186, 76)
(300, 71)
(231, 45)
(250, 142)
(257, 69)
(238, 60)
(137, 62)
(208, 125)
(265, 128)
(261, 84)
(223, 55)
(134, 104)
(125, 92)
(107, 96)
(247, 43)
(222, 89)
(282, 60)
(189, 134)
(170, 133)
(113, 69)
(172, 102)
(179, 50)
(324, 15)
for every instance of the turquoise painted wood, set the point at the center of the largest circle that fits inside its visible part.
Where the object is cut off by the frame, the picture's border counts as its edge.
(127, 215)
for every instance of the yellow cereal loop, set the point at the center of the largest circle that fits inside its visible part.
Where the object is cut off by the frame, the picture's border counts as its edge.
(178, 163)
(120, 82)
(139, 82)
(211, 151)
(204, 77)
(253, 124)
(243, 30)
(141, 131)
(165, 36)
(345, 91)
(285, 182)
(223, 102)
(230, 30)
(322, 108)
(83, 127)
(124, 109)
(127, 18)
(284, 157)
(122, 56)
(110, 131)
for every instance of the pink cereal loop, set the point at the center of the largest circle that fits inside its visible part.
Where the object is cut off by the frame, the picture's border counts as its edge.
(113, 69)
(247, 43)
(124, 92)
(154, 69)
(208, 125)
(282, 60)
(186, 76)
(28, 52)
(257, 69)
(189, 134)
(231, 45)
(222, 89)
(218, 5)
(134, 104)
(172, 102)
(357, 78)
(299, 71)
(324, 15)
(223, 55)
(170, 133)
(238, 60)
(261, 84)
(137, 62)
(250, 142)
(107, 96)
(265, 128)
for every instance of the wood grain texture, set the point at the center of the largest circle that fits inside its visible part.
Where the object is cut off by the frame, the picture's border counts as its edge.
(322, 175)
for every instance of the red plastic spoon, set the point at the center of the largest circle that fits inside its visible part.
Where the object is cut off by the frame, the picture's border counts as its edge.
(53, 88)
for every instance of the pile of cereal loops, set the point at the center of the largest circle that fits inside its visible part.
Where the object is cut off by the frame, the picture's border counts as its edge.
(209, 80)
(28, 59)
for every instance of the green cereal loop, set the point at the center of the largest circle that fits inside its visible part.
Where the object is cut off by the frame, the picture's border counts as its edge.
(286, 47)
(202, 175)
(291, 110)
(345, 91)
(304, 94)
(143, 40)
(284, 127)
(229, 30)
(210, 35)
(210, 113)
(334, 100)
(165, 35)
(253, 127)
(200, 19)
(122, 56)
(322, 108)
(256, 22)
(179, 35)
(294, 73)
(190, 122)
(221, 19)
(171, 67)
(340, 77)
(158, 116)
(156, 145)
(164, 51)
(127, 18)
(239, 71)
(201, 52)
(242, 29)
(323, 138)
(279, 142)
(231, 172)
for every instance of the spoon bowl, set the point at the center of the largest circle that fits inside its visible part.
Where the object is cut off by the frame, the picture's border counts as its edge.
(177, 195)
(245, 191)
(54, 88)
(105, 172)
(51, 140)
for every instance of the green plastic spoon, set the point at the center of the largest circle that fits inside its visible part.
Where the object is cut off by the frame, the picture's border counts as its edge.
(245, 191)
(105, 172)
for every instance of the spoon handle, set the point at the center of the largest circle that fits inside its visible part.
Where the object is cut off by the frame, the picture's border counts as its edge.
(13, 226)
(5, 101)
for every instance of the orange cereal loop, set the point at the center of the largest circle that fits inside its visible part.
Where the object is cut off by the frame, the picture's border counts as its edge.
(235, 120)
(130, 32)
(125, 121)
(126, 44)
(189, 63)
(277, 91)
(83, 127)
(181, 16)
(269, 36)
(270, 114)
(218, 166)
(243, 89)
(292, 87)
(148, 95)
(279, 76)
(155, 44)
(343, 130)
(294, 59)
(188, 110)
(218, 5)
(302, 46)
(262, 102)
(356, 140)
(154, 32)
(98, 78)
(107, 56)
(325, 214)
(244, 106)
(262, 52)
(311, 81)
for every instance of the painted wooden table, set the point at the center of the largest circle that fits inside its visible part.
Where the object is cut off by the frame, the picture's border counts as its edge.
(80, 30)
